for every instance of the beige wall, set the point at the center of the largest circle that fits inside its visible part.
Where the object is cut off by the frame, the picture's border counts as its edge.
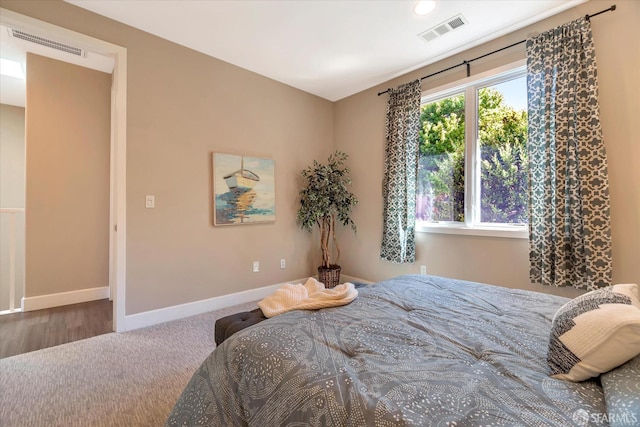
(359, 131)
(11, 196)
(68, 116)
(181, 107)
(11, 156)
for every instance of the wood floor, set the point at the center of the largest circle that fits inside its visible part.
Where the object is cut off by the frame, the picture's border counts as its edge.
(34, 330)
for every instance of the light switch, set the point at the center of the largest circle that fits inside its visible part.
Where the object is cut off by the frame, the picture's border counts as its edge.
(150, 202)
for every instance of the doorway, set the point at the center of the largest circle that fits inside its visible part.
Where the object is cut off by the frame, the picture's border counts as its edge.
(117, 208)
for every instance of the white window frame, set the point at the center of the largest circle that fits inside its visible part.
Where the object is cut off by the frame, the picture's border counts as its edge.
(471, 226)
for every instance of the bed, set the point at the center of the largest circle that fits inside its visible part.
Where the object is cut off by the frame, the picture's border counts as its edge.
(410, 351)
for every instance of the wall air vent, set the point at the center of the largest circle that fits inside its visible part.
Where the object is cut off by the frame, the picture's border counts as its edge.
(443, 28)
(46, 42)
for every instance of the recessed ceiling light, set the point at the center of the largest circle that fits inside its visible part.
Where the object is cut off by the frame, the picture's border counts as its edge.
(11, 68)
(424, 7)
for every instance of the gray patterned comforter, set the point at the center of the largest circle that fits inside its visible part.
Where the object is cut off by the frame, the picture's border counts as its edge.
(410, 351)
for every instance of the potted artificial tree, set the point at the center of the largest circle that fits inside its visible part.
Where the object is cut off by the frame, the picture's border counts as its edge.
(324, 201)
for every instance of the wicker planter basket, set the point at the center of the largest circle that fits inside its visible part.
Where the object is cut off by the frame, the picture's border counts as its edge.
(329, 276)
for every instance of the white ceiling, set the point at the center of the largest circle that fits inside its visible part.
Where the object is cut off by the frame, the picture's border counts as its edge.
(332, 49)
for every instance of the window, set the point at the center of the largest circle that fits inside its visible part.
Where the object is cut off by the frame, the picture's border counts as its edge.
(472, 172)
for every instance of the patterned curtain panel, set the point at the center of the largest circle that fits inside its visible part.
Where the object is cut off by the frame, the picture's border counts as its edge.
(400, 173)
(569, 224)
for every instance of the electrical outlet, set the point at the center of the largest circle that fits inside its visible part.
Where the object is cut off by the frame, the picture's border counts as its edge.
(256, 266)
(150, 202)
(423, 269)
(283, 263)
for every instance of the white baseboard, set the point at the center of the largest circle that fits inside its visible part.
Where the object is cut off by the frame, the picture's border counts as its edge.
(161, 315)
(64, 298)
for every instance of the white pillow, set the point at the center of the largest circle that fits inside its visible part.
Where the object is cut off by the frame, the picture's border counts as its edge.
(595, 332)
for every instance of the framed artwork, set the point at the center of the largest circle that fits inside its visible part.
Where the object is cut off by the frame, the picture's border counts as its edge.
(244, 189)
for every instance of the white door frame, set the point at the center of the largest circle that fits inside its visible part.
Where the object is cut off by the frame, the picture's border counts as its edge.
(118, 175)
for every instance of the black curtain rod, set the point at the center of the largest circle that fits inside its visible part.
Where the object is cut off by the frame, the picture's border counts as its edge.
(468, 63)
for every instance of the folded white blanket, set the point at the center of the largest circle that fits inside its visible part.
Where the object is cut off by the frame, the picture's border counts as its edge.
(310, 296)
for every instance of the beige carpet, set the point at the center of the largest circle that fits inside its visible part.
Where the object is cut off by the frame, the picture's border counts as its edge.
(126, 379)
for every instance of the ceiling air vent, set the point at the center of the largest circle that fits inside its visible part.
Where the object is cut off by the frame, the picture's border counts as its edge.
(46, 42)
(443, 28)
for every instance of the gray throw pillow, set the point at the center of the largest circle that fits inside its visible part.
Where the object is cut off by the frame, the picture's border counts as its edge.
(622, 394)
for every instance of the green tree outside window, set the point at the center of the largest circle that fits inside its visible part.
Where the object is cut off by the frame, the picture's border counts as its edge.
(502, 132)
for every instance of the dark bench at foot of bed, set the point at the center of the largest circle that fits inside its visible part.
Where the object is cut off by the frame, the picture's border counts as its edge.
(229, 325)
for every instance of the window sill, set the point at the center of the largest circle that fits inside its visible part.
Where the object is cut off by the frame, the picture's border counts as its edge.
(511, 232)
